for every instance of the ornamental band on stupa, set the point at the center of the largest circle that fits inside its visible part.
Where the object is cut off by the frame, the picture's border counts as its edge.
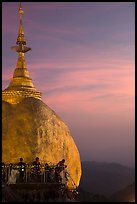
(30, 128)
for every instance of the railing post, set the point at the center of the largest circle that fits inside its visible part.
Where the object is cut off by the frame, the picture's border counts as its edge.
(26, 171)
(44, 176)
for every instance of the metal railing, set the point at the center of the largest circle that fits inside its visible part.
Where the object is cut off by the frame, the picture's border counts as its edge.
(29, 174)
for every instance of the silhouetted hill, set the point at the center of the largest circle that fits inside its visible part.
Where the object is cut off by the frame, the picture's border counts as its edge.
(124, 195)
(105, 178)
(84, 196)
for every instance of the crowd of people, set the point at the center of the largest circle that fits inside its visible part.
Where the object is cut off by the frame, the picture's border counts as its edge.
(50, 173)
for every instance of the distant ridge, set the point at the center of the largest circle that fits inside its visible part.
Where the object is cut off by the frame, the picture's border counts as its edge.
(104, 178)
(124, 195)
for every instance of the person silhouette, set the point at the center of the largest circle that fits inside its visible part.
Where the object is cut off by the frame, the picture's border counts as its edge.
(35, 174)
(22, 170)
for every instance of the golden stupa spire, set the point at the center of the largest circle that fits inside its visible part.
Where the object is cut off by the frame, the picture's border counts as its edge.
(21, 41)
(21, 85)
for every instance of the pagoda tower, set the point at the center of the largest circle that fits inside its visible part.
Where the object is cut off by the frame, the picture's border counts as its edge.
(21, 85)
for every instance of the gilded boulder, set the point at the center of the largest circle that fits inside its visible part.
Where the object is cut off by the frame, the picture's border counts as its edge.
(30, 129)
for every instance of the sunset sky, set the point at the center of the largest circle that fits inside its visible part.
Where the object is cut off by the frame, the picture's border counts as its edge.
(83, 62)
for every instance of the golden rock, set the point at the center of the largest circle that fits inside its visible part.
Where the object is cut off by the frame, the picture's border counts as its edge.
(30, 129)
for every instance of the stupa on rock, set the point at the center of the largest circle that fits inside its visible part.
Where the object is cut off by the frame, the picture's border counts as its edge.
(30, 128)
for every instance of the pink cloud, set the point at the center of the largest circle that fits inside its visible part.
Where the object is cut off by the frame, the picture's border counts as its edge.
(106, 76)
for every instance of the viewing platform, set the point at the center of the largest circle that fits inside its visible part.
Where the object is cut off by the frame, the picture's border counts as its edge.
(41, 186)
